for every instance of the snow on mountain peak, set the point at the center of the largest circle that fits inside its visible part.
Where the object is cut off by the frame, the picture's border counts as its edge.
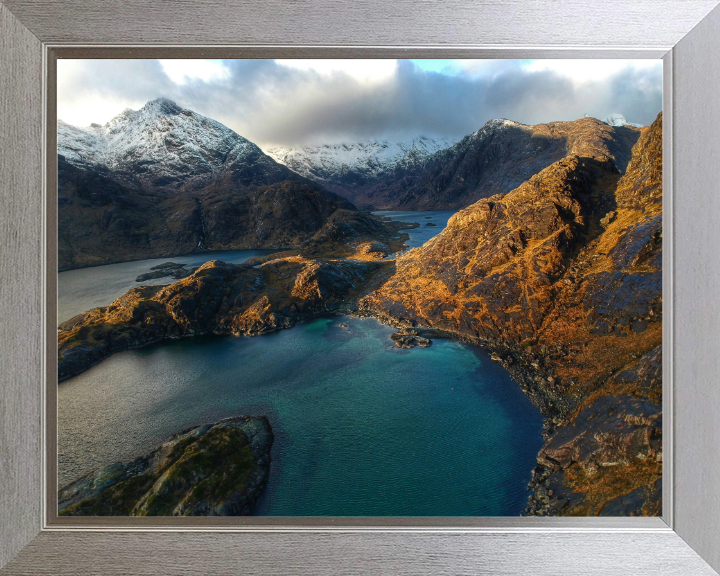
(163, 106)
(495, 124)
(161, 137)
(368, 159)
(617, 119)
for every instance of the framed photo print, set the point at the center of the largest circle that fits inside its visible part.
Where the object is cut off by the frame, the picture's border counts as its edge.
(413, 297)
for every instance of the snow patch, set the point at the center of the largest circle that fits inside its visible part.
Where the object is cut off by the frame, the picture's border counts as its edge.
(617, 119)
(370, 159)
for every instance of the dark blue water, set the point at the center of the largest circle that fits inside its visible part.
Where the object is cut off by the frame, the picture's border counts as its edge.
(362, 429)
(423, 233)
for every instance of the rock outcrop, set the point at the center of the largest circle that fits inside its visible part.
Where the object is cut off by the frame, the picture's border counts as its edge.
(571, 302)
(212, 470)
(610, 448)
(409, 338)
(168, 269)
(256, 297)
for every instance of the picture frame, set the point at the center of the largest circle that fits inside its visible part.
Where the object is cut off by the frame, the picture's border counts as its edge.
(684, 33)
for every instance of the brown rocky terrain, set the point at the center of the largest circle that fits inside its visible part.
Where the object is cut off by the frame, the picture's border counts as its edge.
(253, 298)
(561, 278)
(212, 470)
(493, 160)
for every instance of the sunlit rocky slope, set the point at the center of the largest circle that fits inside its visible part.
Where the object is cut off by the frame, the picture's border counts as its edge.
(562, 279)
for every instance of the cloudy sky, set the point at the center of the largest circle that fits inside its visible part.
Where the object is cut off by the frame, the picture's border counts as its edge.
(294, 102)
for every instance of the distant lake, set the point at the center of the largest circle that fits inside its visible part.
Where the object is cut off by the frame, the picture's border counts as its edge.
(420, 235)
(86, 288)
(362, 428)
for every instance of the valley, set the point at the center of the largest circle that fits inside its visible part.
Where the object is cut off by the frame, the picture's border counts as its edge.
(548, 256)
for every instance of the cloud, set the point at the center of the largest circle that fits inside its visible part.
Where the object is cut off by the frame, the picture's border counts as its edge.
(290, 102)
(365, 71)
(180, 71)
(97, 90)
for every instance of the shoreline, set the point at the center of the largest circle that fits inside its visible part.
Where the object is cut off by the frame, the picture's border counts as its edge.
(524, 413)
(175, 255)
(525, 372)
(522, 376)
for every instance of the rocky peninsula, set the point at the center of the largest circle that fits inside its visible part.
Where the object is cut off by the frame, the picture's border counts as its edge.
(212, 470)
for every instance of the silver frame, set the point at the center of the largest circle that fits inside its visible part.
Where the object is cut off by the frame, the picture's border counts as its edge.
(31, 32)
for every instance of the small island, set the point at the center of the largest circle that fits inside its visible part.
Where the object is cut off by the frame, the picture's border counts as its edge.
(212, 470)
(169, 269)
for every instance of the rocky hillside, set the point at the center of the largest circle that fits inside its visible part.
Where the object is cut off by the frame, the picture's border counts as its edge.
(255, 297)
(562, 278)
(212, 470)
(493, 160)
(164, 180)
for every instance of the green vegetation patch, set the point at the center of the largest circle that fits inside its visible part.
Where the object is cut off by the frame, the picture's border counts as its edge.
(209, 471)
(202, 472)
(117, 500)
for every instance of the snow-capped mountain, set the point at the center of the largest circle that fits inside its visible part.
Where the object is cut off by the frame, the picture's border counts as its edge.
(166, 180)
(161, 142)
(359, 161)
(617, 119)
(495, 159)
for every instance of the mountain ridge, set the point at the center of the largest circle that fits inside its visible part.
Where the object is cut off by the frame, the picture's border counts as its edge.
(356, 161)
(165, 146)
(494, 159)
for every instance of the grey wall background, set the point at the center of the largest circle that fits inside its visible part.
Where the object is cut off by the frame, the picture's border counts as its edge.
(649, 26)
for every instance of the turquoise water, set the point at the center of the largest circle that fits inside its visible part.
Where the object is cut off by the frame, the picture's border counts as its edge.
(362, 429)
